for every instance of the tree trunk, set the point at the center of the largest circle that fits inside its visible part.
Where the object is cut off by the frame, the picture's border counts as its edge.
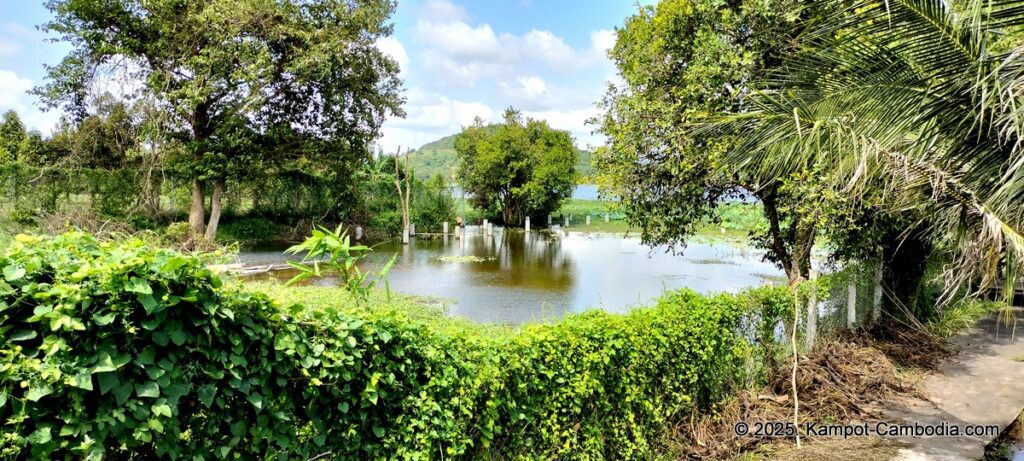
(197, 211)
(215, 199)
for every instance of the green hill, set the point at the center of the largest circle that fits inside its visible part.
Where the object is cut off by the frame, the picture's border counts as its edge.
(435, 157)
(440, 157)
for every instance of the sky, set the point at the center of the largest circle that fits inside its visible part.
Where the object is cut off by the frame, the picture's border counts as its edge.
(460, 59)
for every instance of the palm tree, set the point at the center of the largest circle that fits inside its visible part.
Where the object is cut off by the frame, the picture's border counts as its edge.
(922, 100)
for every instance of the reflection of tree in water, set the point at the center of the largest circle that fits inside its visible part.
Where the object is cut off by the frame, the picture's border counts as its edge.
(524, 260)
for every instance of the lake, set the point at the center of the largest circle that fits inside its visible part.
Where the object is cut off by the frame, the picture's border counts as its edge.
(544, 275)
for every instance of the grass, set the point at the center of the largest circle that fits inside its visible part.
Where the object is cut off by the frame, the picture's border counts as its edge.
(963, 315)
(736, 220)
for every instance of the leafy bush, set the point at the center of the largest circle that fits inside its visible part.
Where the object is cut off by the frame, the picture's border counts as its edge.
(249, 229)
(119, 349)
(176, 232)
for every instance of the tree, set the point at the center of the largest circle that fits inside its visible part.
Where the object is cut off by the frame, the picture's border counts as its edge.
(518, 169)
(231, 69)
(12, 136)
(678, 61)
(917, 101)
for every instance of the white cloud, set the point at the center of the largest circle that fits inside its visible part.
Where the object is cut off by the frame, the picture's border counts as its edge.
(393, 48)
(442, 10)
(550, 48)
(572, 120)
(602, 40)
(533, 86)
(457, 54)
(430, 116)
(14, 96)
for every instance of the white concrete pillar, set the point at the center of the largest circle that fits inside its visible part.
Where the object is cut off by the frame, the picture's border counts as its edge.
(566, 222)
(851, 302)
(446, 228)
(588, 220)
(549, 220)
(359, 232)
(812, 312)
(876, 297)
(405, 235)
(458, 233)
(490, 229)
(606, 217)
(412, 228)
(527, 224)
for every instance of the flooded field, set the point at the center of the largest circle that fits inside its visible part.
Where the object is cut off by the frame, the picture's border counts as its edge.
(514, 276)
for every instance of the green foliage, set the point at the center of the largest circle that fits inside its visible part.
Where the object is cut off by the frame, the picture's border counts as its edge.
(249, 229)
(435, 158)
(963, 315)
(518, 169)
(121, 350)
(679, 60)
(333, 251)
(260, 85)
(432, 205)
(440, 157)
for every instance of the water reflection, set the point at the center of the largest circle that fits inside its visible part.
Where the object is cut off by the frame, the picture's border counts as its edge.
(535, 276)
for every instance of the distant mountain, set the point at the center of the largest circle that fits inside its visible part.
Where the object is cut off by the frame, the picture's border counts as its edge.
(440, 157)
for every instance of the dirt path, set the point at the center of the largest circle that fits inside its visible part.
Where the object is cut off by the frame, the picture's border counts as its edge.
(982, 385)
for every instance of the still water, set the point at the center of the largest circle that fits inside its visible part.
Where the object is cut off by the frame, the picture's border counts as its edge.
(539, 276)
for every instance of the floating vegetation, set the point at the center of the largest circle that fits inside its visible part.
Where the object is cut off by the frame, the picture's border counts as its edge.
(466, 259)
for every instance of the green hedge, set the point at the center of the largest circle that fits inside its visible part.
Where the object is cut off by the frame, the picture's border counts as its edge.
(121, 350)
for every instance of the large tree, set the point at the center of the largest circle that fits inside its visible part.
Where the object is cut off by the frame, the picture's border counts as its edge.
(229, 71)
(918, 101)
(516, 169)
(678, 61)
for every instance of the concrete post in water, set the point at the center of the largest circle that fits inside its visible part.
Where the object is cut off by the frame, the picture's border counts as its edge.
(359, 232)
(485, 223)
(527, 226)
(876, 297)
(812, 311)
(412, 228)
(588, 220)
(606, 217)
(458, 233)
(445, 228)
(566, 222)
(490, 229)
(549, 220)
(851, 302)
(405, 235)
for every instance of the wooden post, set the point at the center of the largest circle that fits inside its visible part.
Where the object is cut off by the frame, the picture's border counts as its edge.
(812, 312)
(527, 224)
(359, 232)
(876, 297)
(851, 302)
(446, 228)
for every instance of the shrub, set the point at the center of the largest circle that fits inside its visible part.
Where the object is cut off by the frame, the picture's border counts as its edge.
(121, 350)
(249, 229)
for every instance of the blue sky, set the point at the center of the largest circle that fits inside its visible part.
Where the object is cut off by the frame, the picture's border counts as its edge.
(459, 59)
